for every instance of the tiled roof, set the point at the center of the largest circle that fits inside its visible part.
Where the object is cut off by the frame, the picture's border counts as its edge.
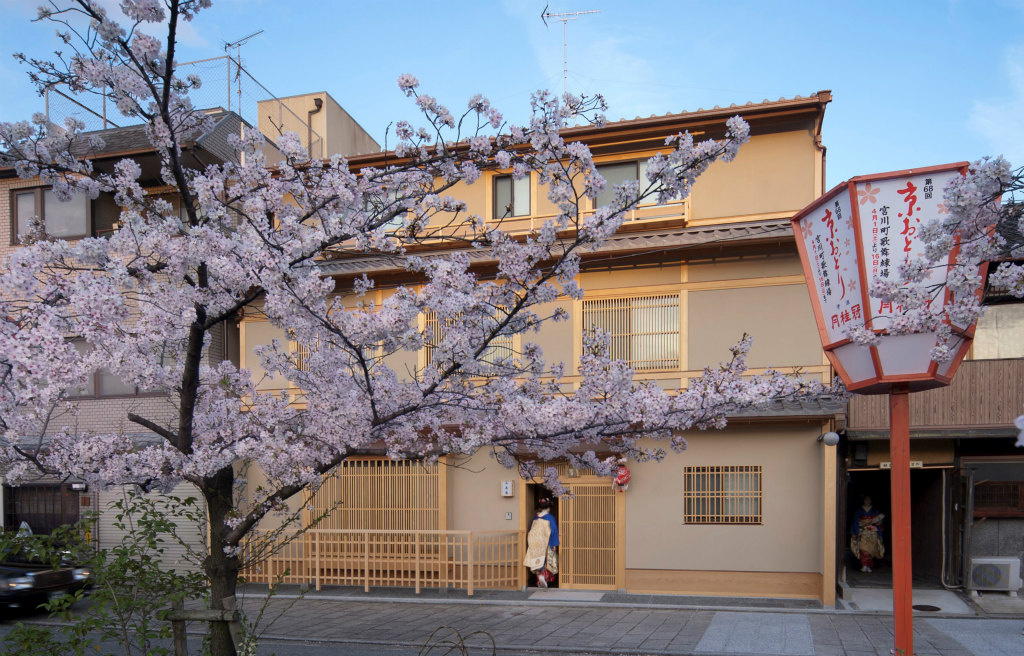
(821, 96)
(664, 239)
(132, 139)
(825, 406)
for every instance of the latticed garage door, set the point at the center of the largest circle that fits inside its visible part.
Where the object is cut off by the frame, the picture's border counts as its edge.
(588, 536)
(378, 493)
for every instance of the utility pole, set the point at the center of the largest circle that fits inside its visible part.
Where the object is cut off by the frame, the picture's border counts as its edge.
(565, 17)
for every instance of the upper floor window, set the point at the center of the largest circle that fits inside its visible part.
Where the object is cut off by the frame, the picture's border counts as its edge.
(511, 196)
(102, 382)
(1000, 332)
(620, 172)
(71, 219)
(717, 494)
(644, 330)
(500, 349)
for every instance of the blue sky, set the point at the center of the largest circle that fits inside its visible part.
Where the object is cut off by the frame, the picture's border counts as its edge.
(914, 83)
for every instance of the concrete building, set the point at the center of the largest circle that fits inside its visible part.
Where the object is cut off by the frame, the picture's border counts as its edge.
(104, 403)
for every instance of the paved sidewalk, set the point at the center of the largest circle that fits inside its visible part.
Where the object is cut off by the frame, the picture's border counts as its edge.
(397, 622)
(611, 623)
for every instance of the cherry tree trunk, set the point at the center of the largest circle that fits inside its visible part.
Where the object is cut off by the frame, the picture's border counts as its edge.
(221, 568)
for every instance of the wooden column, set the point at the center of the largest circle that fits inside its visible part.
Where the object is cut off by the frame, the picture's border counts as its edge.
(899, 452)
(828, 524)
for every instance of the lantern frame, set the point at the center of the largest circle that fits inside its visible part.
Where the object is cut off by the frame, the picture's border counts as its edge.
(872, 369)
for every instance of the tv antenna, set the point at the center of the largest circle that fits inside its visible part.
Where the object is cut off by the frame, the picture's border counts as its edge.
(565, 17)
(237, 45)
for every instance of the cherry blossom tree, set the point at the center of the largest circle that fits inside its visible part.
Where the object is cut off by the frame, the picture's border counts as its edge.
(141, 302)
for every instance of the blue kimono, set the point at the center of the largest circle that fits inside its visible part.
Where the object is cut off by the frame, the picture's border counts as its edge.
(553, 538)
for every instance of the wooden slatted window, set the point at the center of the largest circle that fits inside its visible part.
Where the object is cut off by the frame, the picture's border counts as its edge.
(722, 494)
(501, 348)
(301, 354)
(379, 494)
(999, 499)
(644, 330)
(432, 328)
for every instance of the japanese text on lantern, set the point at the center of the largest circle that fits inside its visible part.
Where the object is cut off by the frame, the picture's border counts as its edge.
(900, 207)
(845, 313)
(909, 195)
(827, 234)
(880, 262)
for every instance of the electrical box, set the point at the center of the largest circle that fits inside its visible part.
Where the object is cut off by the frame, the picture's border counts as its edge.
(507, 488)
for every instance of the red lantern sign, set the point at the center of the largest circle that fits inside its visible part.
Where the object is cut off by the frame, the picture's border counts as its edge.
(864, 230)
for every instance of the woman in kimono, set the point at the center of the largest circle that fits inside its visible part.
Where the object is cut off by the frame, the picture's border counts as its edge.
(542, 545)
(866, 541)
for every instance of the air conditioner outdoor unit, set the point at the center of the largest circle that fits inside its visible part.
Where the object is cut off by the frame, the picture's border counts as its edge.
(995, 574)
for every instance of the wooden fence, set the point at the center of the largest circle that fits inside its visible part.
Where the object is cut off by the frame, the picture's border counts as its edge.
(985, 394)
(382, 558)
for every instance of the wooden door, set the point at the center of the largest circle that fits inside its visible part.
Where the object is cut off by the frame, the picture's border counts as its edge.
(589, 523)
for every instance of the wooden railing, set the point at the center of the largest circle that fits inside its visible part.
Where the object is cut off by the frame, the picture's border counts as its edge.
(984, 394)
(413, 559)
(674, 213)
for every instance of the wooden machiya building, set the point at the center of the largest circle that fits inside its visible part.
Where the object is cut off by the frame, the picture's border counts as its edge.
(747, 511)
(967, 476)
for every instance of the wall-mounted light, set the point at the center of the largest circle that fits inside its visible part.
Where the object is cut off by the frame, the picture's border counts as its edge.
(830, 438)
(79, 487)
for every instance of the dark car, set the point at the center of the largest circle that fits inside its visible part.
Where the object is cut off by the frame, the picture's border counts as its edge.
(27, 585)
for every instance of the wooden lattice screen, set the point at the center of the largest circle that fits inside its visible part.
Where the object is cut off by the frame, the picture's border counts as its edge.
(501, 347)
(722, 494)
(588, 536)
(378, 494)
(644, 330)
(999, 499)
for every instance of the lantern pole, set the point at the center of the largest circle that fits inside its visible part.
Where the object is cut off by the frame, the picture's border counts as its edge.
(899, 452)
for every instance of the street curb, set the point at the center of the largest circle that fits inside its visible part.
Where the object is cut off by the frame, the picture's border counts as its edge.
(607, 604)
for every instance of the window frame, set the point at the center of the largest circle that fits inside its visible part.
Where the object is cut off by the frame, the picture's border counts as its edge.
(639, 167)
(39, 202)
(97, 394)
(502, 177)
(510, 343)
(716, 506)
(634, 342)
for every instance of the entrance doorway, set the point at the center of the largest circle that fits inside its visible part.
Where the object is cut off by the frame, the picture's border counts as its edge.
(535, 492)
(589, 536)
(588, 519)
(927, 491)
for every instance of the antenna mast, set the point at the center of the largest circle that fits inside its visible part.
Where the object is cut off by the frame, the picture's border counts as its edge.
(565, 17)
(237, 45)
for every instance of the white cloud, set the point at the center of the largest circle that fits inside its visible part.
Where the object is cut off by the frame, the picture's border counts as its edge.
(1002, 121)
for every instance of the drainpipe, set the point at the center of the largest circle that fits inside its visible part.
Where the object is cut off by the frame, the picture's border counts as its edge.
(824, 98)
(319, 104)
